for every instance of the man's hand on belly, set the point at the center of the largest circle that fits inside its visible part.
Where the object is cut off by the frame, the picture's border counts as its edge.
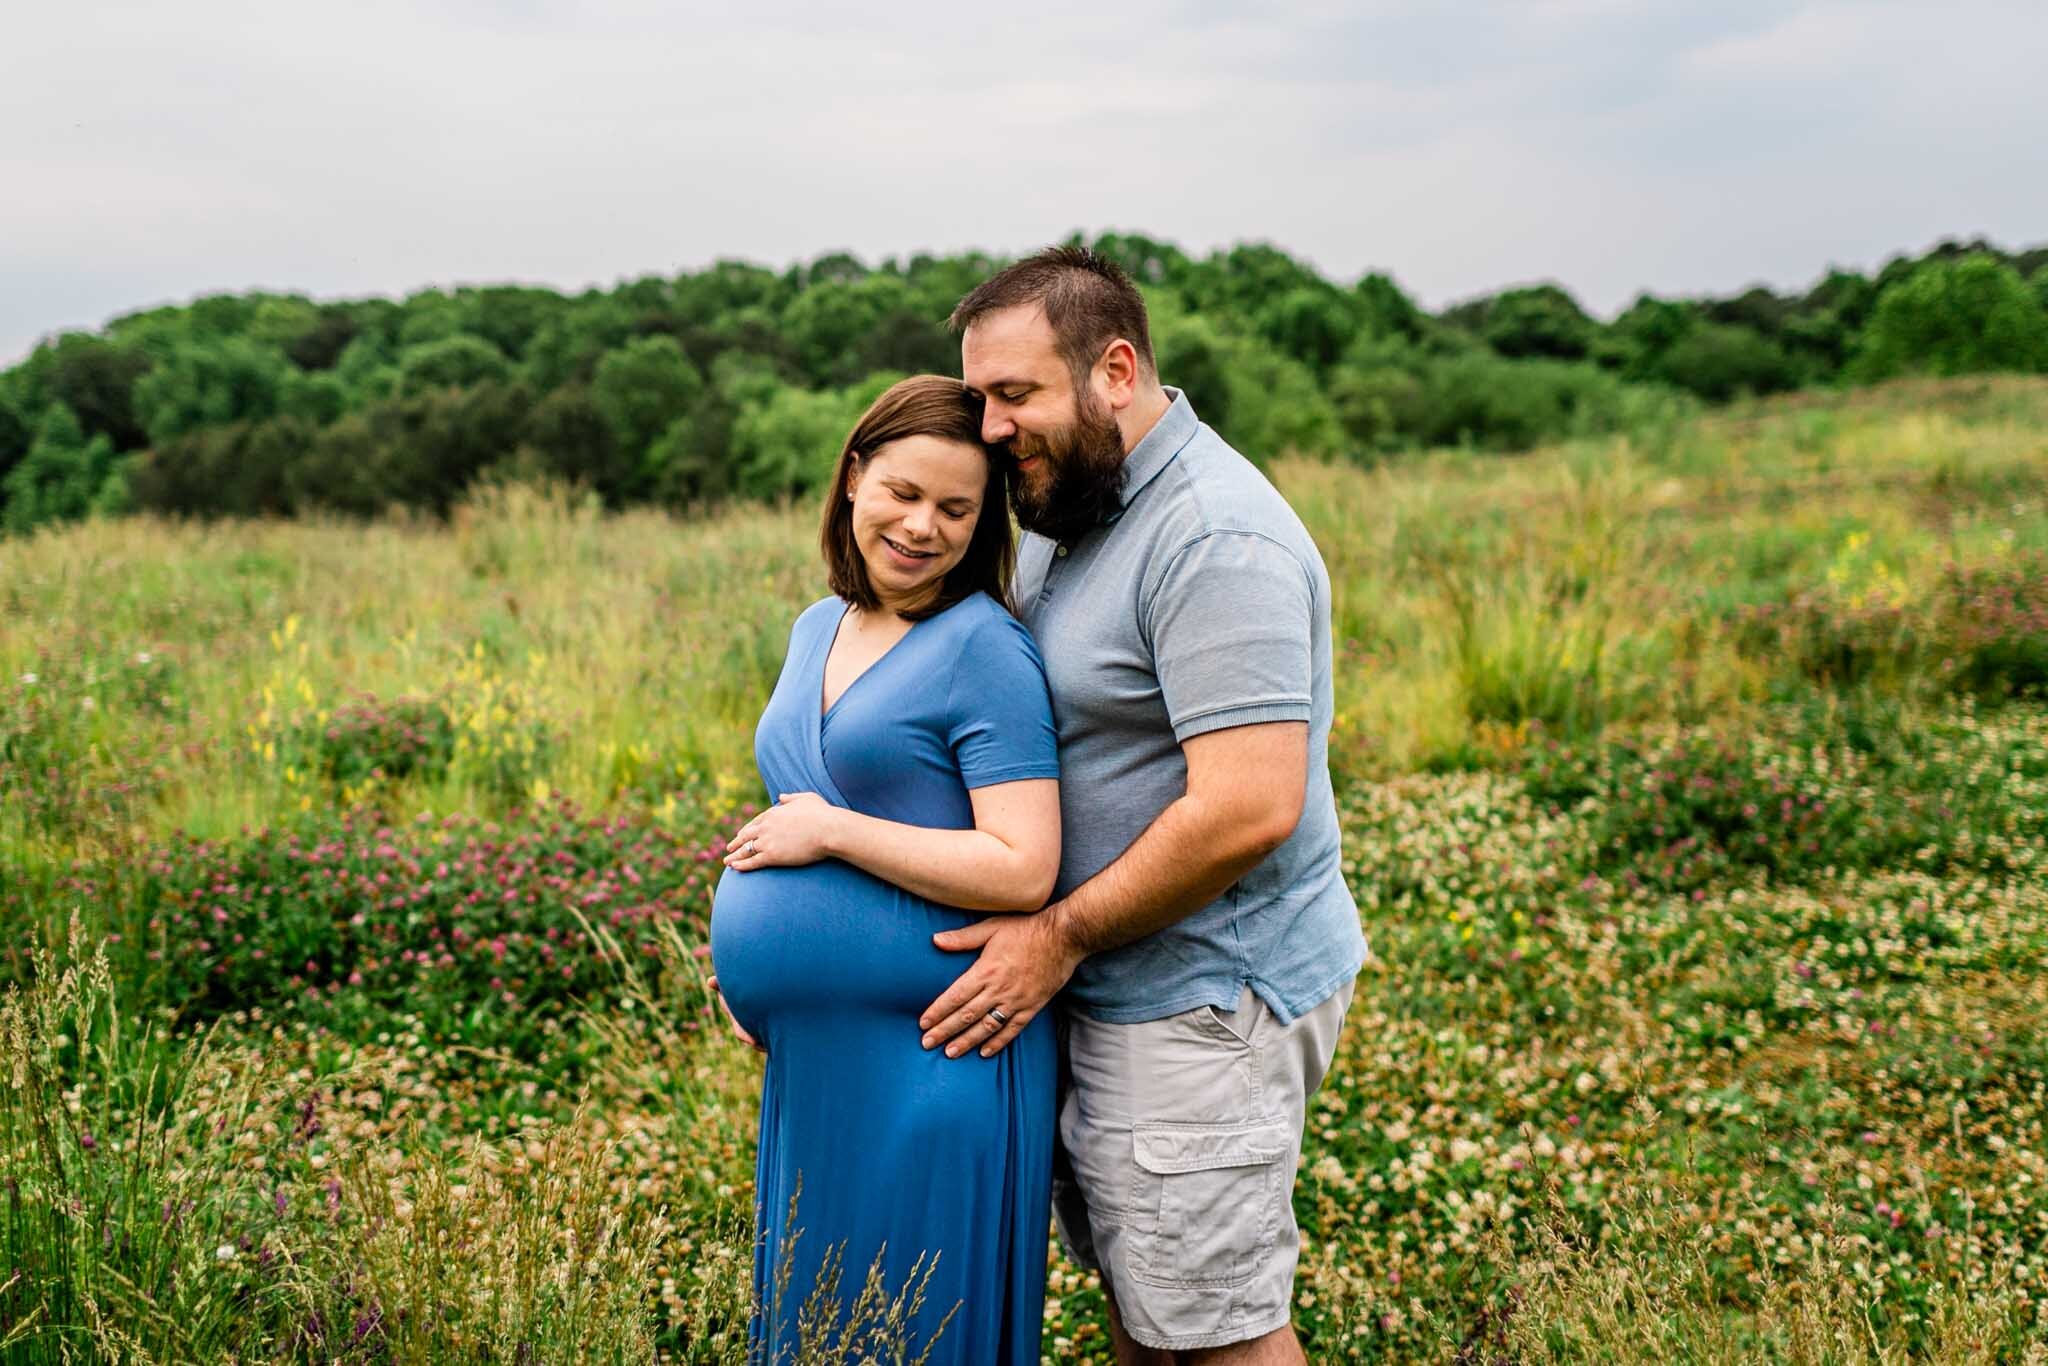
(732, 1019)
(1024, 962)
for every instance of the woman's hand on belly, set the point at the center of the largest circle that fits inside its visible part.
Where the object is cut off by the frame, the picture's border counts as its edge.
(795, 831)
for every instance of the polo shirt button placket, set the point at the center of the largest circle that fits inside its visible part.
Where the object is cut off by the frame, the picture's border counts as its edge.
(1052, 572)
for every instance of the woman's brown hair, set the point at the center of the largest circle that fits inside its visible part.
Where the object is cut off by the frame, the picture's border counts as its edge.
(923, 405)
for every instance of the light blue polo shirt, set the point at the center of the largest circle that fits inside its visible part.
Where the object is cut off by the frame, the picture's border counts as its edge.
(1203, 604)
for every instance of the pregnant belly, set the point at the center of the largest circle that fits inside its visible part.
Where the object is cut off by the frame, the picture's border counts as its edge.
(826, 938)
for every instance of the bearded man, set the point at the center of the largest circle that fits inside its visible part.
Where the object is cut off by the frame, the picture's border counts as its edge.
(1201, 942)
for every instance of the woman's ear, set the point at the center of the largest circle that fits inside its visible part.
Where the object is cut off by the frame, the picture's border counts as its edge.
(853, 468)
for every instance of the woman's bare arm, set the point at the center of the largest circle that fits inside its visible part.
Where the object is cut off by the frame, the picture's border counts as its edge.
(1007, 862)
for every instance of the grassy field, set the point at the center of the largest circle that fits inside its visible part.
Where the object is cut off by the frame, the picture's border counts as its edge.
(354, 882)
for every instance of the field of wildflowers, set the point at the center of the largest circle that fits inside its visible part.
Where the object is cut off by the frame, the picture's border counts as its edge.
(354, 884)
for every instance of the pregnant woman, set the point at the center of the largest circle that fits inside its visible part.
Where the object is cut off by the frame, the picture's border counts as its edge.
(910, 746)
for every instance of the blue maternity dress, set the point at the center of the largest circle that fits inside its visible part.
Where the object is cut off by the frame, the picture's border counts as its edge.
(899, 1151)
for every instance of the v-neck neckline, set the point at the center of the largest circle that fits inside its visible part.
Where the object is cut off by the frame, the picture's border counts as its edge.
(824, 711)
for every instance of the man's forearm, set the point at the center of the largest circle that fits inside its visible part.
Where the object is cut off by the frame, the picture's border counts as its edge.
(1183, 861)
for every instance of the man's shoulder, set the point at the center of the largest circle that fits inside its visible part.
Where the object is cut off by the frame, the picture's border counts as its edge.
(1213, 488)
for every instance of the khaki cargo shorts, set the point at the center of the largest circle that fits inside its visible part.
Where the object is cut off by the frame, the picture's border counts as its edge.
(1174, 1173)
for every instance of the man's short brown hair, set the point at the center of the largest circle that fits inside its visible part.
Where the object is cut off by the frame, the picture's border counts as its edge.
(1087, 299)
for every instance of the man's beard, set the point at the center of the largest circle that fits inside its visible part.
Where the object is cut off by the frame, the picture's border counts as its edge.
(1083, 481)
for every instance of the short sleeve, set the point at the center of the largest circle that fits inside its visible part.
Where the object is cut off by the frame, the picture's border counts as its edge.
(1231, 624)
(999, 709)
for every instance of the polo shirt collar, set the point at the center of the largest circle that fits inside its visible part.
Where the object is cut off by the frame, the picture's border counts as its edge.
(1175, 428)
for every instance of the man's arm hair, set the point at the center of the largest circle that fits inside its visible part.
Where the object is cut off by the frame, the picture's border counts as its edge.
(1245, 788)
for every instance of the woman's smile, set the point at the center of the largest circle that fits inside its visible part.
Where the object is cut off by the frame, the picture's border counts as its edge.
(915, 504)
(912, 559)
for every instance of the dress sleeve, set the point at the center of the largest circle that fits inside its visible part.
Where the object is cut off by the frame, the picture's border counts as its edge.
(999, 709)
(1231, 623)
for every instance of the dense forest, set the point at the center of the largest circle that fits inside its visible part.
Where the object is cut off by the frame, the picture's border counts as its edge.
(739, 380)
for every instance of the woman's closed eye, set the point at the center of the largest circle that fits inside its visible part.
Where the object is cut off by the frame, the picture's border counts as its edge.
(953, 511)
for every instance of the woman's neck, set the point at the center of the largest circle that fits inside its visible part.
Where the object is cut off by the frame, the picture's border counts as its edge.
(892, 606)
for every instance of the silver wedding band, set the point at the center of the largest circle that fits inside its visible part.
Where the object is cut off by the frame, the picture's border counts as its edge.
(996, 1013)
(747, 849)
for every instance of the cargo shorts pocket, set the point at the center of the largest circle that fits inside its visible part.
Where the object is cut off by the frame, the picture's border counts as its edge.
(1205, 1203)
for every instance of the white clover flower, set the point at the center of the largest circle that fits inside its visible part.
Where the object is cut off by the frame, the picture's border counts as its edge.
(224, 1253)
(86, 704)
(28, 680)
(142, 656)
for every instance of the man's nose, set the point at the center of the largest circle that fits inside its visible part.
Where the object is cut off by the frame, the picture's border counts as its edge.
(995, 427)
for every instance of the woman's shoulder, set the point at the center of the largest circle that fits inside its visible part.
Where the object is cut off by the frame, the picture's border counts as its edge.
(978, 614)
(986, 630)
(826, 609)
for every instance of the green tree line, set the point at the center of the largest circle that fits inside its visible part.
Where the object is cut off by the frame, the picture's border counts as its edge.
(739, 380)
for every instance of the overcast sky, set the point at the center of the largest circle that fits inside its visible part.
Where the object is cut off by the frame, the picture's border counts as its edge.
(150, 152)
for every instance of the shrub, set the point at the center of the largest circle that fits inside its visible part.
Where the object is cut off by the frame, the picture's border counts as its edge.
(67, 762)
(367, 370)
(841, 326)
(427, 448)
(1811, 789)
(1955, 317)
(1982, 630)
(318, 346)
(365, 739)
(568, 437)
(1263, 401)
(240, 470)
(343, 469)
(92, 376)
(1196, 359)
(485, 935)
(1479, 399)
(15, 437)
(1380, 406)
(567, 347)
(1834, 642)
(1683, 809)
(1543, 321)
(1314, 325)
(316, 398)
(453, 362)
(641, 390)
(1991, 631)
(60, 478)
(1520, 660)
(1720, 361)
(785, 442)
(208, 383)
